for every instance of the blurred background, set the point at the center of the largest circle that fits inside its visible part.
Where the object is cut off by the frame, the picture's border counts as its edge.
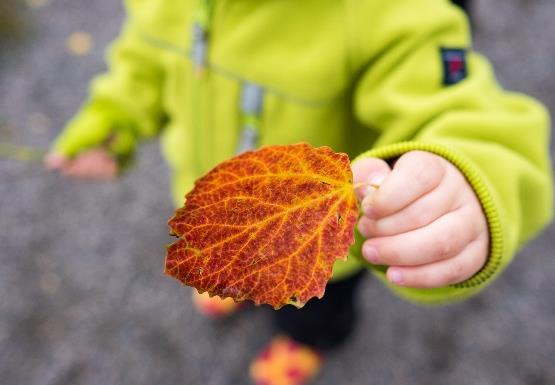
(82, 296)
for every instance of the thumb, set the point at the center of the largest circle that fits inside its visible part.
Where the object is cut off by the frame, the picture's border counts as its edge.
(371, 171)
(55, 161)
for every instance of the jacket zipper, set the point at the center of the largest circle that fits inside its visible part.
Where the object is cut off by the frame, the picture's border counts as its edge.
(200, 36)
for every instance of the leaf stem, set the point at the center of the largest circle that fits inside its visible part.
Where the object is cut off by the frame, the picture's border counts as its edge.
(363, 184)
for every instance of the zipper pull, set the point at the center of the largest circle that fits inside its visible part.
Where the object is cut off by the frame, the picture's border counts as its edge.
(251, 108)
(248, 140)
(200, 34)
(200, 47)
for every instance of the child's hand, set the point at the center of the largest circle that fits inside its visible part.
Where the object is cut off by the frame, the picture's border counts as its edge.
(423, 221)
(95, 164)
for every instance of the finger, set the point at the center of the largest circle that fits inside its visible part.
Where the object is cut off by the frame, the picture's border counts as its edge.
(442, 273)
(444, 198)
(105, 166)
(76, 168)
(442, 239)
(366, 227)
(94, 164)
(415, 174)
(55, 161)
(93, 172)
(369, 171)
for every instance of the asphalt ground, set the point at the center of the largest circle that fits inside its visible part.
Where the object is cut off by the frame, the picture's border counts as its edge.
(82, 296)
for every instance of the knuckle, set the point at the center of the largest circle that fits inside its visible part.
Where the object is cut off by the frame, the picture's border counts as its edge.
(418, 158)
(427, 169)
(444, 244)
(418, 216)
(386, 227)
(392, 255)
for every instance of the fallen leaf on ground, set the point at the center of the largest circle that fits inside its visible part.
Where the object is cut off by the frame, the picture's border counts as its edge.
(79, 43)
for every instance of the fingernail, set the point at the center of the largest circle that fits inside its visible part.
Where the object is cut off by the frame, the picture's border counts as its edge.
(395, 276)
(374, 180)
(370, 253)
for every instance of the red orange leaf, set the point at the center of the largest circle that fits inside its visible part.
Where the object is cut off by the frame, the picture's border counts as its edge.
(266, 226)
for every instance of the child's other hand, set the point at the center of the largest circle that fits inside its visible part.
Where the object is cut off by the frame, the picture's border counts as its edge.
(96, 164)
(423, 221)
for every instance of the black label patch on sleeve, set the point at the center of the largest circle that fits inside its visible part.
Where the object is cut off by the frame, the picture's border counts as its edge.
(454, 65)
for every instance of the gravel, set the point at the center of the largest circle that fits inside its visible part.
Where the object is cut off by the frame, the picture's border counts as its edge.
(83, 298)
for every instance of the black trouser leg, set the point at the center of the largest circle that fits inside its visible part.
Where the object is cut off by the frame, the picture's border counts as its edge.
(464, 4)
(326, 323)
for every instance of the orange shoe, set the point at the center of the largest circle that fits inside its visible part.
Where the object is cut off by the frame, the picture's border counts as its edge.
(285, 362)
(214, 307)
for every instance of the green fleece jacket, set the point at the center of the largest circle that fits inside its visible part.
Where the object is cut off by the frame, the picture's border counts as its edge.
(365, 77)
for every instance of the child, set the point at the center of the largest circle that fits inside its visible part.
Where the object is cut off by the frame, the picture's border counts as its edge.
(462, 165)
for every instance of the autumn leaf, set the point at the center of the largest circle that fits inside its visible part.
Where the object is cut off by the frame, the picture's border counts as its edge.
(266, 226)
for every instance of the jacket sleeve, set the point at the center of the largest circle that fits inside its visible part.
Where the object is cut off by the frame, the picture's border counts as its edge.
(497, 139)
(124, 105)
